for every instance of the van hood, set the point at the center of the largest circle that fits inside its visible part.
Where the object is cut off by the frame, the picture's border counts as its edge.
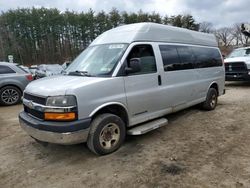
(59, 85)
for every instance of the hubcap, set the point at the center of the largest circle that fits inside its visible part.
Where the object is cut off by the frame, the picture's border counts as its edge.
(10, 96)
(213, 101)
(109, 136)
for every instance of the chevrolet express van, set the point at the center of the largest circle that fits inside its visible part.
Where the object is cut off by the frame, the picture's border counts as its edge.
(124, 83)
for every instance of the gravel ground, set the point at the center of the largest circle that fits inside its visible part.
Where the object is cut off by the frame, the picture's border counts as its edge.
(196, 149)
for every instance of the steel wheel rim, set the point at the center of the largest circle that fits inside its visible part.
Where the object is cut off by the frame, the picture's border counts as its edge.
(10, 96)
(109, 136)
(213, 101)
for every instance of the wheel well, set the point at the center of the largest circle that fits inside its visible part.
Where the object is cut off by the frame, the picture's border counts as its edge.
(114, 109)
(215, 86)
(13, 86)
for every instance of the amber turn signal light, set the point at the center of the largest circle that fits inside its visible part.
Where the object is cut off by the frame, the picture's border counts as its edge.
(60, 116)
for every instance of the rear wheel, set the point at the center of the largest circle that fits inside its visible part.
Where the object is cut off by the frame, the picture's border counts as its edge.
(211, 99)
(10, 95)
(107, 134)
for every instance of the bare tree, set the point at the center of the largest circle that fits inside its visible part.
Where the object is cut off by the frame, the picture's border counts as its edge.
(206, 27)
(239, 37)
(237, 34)
(224, 36)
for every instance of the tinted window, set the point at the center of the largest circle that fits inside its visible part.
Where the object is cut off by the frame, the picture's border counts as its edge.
(5, 70)
(146, 54)
(207, 57)
(170, 57)
(186, 57)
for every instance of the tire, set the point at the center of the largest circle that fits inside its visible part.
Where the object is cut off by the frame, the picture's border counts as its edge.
(107, 133)
(10, 95)
(211, 100)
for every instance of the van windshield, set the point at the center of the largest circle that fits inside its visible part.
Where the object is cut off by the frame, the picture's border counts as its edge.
(99, 60)
(240, 53)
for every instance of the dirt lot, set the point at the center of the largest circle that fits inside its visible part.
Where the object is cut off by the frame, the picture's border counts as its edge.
(196, 149)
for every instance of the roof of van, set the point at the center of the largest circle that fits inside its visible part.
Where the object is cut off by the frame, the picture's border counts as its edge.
(154, 32)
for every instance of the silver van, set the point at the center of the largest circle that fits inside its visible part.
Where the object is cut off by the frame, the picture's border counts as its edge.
(124, 83)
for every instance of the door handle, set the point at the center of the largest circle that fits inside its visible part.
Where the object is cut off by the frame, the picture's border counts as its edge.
(159, 80)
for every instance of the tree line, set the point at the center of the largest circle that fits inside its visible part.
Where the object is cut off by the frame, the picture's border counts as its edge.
(36, 36)
(41, 35)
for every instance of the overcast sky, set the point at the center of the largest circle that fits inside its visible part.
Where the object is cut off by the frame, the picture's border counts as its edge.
(219, 12)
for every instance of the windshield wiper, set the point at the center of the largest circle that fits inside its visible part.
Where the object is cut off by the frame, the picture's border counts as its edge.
(80, 73)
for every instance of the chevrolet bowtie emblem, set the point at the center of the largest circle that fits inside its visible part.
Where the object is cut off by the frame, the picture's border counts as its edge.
(31, 104)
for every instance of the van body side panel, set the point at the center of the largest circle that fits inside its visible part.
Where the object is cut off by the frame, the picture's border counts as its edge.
(146, 99)
(208, 76)
(179, 88)
(91, 97)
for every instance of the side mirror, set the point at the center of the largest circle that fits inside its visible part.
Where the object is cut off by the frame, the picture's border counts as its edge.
(134, 66)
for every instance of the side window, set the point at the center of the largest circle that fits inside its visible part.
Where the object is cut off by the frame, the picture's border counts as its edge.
(146, 54)
(186, 57)
(207, 57)
(170, 58)
(215, 57)
(5, 70)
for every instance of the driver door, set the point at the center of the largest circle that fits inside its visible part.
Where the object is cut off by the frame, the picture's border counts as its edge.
(143, 88)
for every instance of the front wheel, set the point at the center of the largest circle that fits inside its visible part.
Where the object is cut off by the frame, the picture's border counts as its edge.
(211, 100)
(107, 134)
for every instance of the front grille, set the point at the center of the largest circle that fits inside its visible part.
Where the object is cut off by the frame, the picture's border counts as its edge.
(35, 113)
(235, 67)
(36, 99)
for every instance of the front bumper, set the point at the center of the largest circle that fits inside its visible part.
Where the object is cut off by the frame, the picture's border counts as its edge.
(65, 133)
(237, 76)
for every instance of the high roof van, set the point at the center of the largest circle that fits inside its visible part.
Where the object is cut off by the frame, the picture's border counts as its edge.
(125, 82)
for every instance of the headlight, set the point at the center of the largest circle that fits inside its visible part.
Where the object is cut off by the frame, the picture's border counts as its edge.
(61, 108)
(61, 101)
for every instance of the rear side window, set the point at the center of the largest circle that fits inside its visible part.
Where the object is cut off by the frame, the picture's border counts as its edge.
(206, 57)
(5, 70)
(176, 57)
(186, 57)
(146, 54)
